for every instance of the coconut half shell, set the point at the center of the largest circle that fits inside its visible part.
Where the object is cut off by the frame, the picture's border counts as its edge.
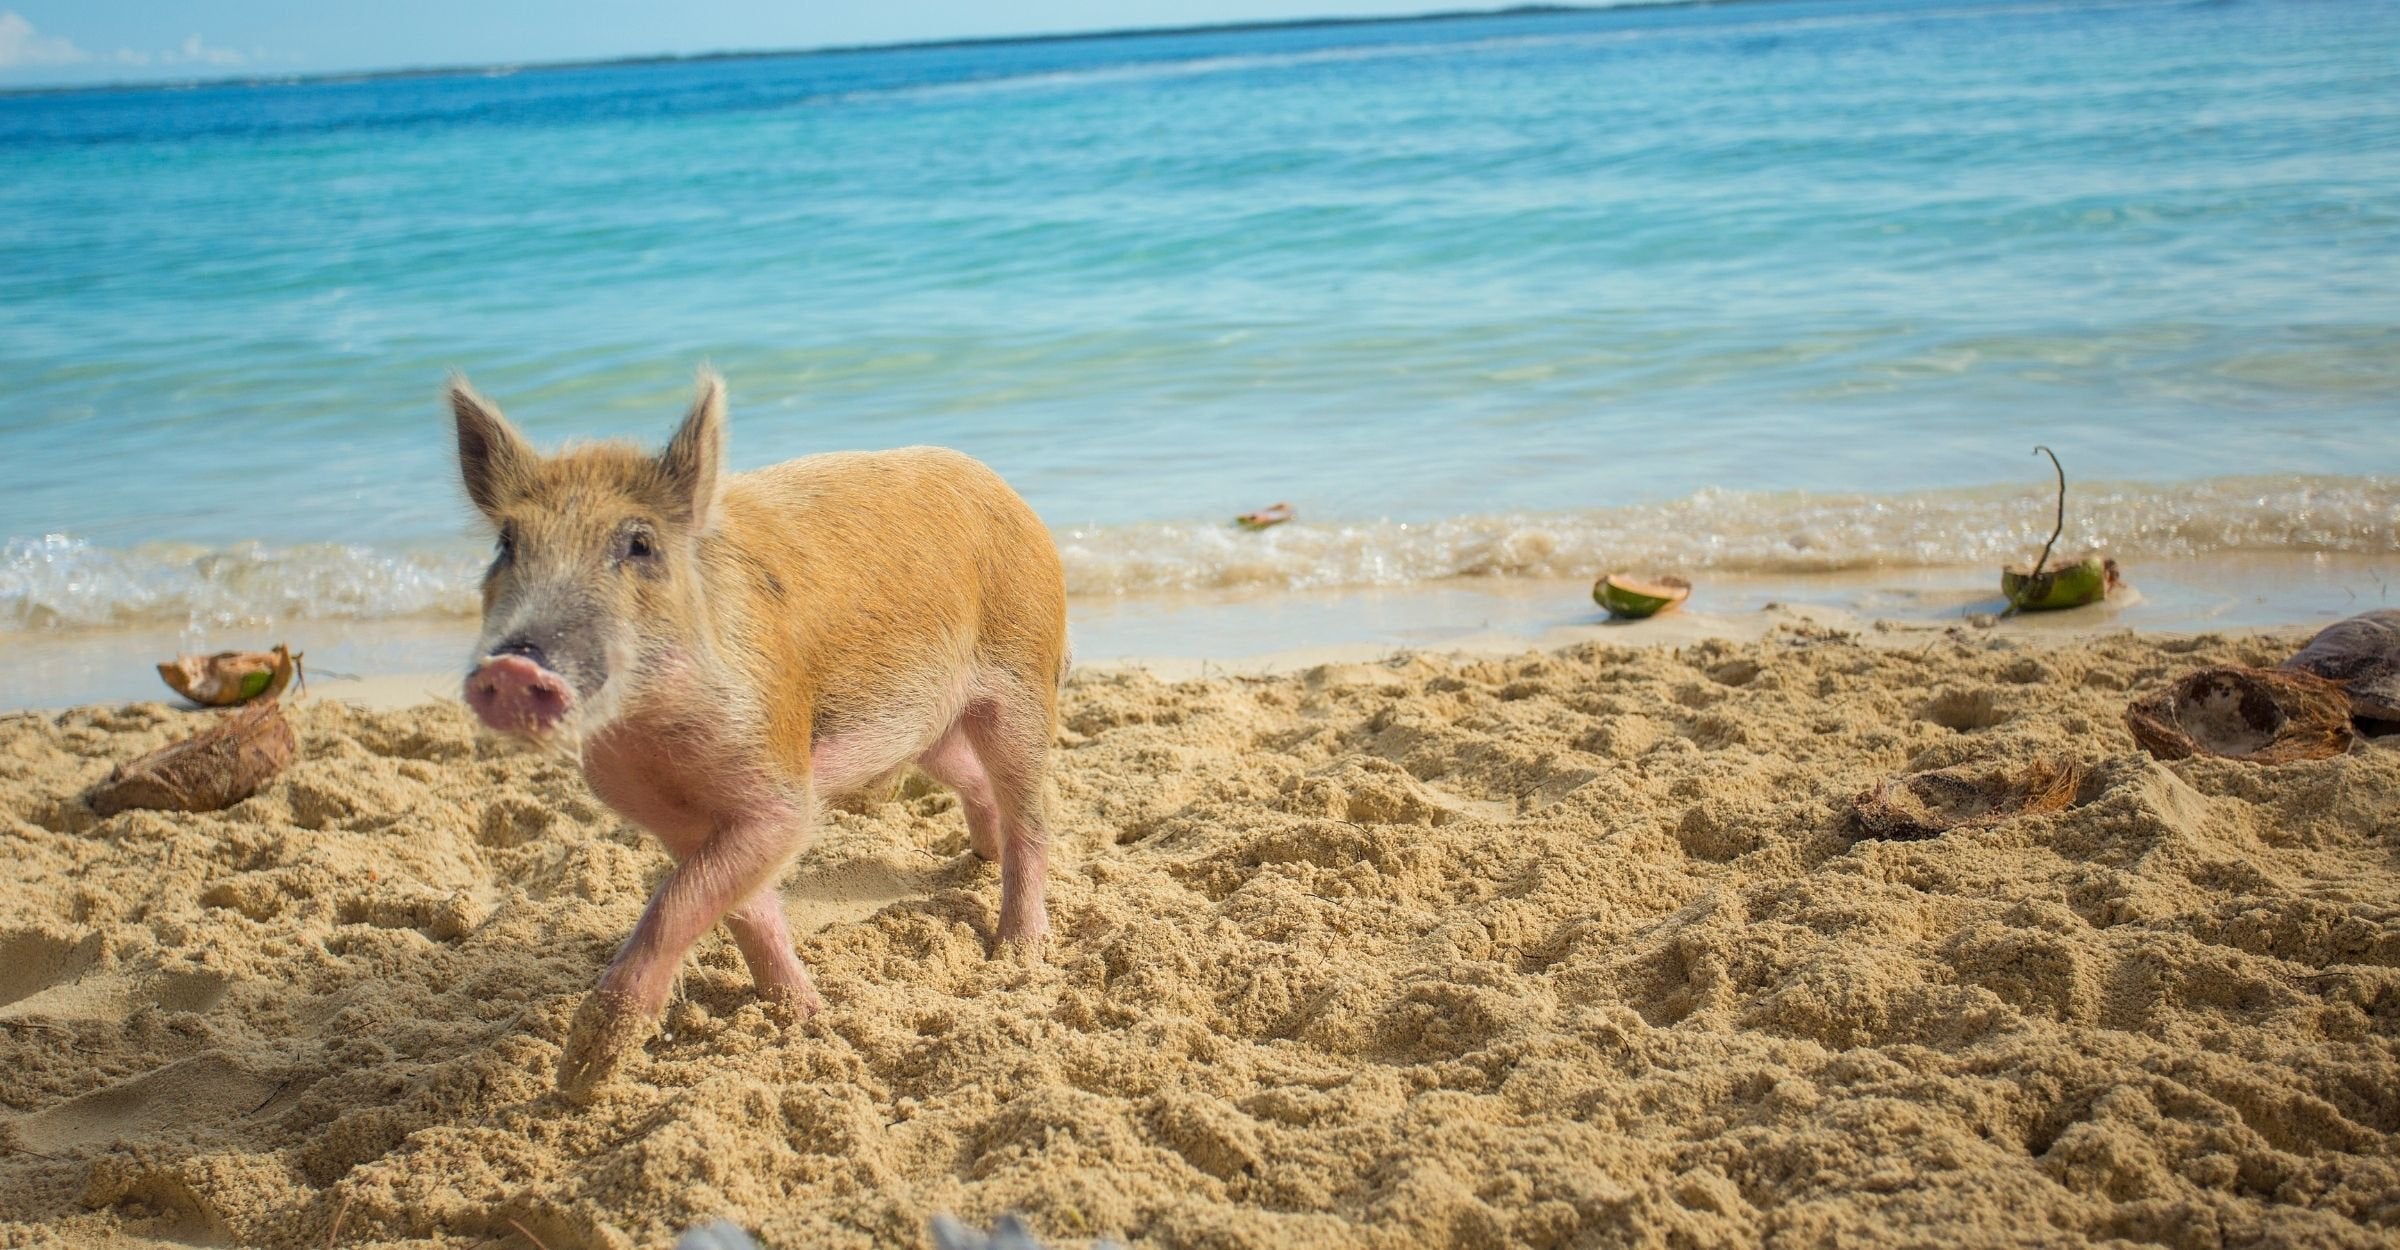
(2262, 715)
(231, 677)
(1926, 805)
(2362, 653)
(1637, 597)
(2070, 585)
(216, 768)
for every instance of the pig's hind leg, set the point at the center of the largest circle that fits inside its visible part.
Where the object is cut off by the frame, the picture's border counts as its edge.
(1010, 730)
(766, 945)
(951, 760)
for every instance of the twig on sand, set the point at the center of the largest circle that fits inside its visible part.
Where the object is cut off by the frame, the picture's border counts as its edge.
(73, 1042)
(2017, 600)
(338, 1216)
(526, 1233)
(272, 1095)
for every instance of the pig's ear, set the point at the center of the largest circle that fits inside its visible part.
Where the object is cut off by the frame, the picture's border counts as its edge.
(492, 456)
(691, 461)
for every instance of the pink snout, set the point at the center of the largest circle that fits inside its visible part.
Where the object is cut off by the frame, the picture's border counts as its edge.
(515, 695)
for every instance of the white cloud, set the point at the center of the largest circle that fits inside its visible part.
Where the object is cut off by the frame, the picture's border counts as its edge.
(21, 44)
(192, 51)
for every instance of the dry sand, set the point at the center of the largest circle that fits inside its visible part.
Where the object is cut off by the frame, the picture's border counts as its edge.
(1547, 950)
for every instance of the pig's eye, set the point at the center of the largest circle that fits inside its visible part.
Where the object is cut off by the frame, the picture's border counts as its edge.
(636, 546)
(506, 547)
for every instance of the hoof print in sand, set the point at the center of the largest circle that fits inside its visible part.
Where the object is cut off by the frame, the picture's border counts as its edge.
(187, 1097)
(33, 962)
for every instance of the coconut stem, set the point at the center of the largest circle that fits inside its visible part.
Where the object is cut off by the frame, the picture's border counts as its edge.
(2017, 600)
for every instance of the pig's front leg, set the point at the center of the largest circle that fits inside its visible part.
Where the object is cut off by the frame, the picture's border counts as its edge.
(734, 869)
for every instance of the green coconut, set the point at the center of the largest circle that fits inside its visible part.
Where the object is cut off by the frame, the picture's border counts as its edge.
(1635, 598)
(2075, 585)
(2043, 588)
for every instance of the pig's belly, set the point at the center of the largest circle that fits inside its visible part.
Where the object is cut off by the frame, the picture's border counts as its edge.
(862, 748)
(683, 784)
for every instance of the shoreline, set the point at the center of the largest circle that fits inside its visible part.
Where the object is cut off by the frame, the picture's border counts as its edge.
(395, 663)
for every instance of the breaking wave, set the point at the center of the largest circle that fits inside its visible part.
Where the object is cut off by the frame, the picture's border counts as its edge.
(57, 582)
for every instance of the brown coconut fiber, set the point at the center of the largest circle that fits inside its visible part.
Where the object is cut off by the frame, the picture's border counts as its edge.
(217, 767)
(1926, 805)
(2265, 716)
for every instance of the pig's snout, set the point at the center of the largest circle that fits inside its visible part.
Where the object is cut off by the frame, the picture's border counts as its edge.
(513, 693)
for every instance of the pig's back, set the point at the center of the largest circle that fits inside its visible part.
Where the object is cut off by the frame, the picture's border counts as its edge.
(871, 564)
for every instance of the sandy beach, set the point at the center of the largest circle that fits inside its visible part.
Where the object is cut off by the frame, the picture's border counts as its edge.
(1334, 371)
(1574, 948)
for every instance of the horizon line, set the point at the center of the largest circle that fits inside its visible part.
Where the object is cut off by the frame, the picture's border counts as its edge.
(489, 69)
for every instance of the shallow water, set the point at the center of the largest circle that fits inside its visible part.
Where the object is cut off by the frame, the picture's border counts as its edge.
(399, 661)
(1754, 287)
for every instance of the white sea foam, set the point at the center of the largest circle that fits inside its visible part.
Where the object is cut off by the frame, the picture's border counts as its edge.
(1756, 533)
(54, 583)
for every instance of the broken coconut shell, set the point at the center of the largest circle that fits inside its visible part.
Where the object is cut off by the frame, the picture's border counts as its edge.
(231, 677)
(2262, 715)
(1635, 598)
(1272, 515)
(2362, 654)
(1926, 805)
(215, 768)
(2086, 581)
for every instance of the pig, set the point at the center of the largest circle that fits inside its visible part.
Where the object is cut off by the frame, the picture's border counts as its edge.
(725, 652)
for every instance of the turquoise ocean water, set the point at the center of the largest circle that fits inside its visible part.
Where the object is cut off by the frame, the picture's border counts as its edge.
(1782, 286)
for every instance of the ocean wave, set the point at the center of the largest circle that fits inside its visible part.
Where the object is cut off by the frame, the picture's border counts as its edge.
(55, 582)
(1751, 533)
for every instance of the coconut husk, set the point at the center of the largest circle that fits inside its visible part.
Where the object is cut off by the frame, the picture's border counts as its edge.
(2362, 654)
(216, 768)
(2262, 715)
(1926, 805)
(231, 677)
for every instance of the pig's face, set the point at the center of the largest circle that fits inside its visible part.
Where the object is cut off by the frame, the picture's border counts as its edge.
(595, 578)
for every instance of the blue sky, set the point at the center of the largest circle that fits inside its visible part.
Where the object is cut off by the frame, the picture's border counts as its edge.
(46, 42)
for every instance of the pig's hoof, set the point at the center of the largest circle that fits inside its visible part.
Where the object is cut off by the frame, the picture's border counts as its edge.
(607, 1029)
(791, 1004)
(1029, 951)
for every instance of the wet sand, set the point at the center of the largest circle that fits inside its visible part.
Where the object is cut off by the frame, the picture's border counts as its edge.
(398, 661)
